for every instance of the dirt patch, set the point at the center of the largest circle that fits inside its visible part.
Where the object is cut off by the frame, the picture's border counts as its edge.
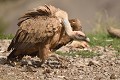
(106, 66)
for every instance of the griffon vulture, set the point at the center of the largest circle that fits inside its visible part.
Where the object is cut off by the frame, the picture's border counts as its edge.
(40, 31)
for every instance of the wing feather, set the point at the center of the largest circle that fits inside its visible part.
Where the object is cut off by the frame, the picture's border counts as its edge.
(33, 31)
(46, 10)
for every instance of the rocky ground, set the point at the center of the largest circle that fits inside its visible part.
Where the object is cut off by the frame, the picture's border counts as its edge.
(105, 66)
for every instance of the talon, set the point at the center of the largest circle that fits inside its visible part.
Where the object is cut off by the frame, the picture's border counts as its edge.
(56, 56)
(84, 44)
(59, 58)
(79, 44)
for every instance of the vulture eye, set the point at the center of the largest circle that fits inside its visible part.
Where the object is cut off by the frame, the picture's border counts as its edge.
(73, 21)
(81, 35)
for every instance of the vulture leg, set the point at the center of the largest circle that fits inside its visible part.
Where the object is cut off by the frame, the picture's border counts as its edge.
(43, 53)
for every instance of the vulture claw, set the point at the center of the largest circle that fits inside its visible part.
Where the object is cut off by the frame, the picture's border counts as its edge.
(60, 59)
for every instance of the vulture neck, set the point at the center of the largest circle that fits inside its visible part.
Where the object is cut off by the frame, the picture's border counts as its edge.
(67, 26)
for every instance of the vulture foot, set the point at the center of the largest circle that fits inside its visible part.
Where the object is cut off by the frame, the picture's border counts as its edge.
(79, 44)
(62, 61)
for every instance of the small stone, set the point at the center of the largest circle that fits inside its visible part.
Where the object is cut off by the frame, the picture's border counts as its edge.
(113, 76)
(60, 76)
(28, 69)
(97, 78)
(2, 51)
(46, 71)
(106, 50)
(90, 63)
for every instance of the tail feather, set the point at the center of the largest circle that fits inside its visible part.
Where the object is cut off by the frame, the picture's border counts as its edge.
(10, 46)
(11, 56)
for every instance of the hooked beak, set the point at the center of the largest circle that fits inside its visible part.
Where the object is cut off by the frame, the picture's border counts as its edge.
(87, 39)
(82, 37)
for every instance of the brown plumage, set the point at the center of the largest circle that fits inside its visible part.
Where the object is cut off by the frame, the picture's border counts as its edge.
(41, 31)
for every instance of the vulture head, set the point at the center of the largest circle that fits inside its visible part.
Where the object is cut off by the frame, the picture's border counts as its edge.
(76, 35)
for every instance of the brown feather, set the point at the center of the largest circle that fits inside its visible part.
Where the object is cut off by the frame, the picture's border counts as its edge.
(46, 10)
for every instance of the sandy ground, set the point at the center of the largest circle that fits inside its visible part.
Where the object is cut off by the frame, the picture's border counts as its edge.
(106, 66)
